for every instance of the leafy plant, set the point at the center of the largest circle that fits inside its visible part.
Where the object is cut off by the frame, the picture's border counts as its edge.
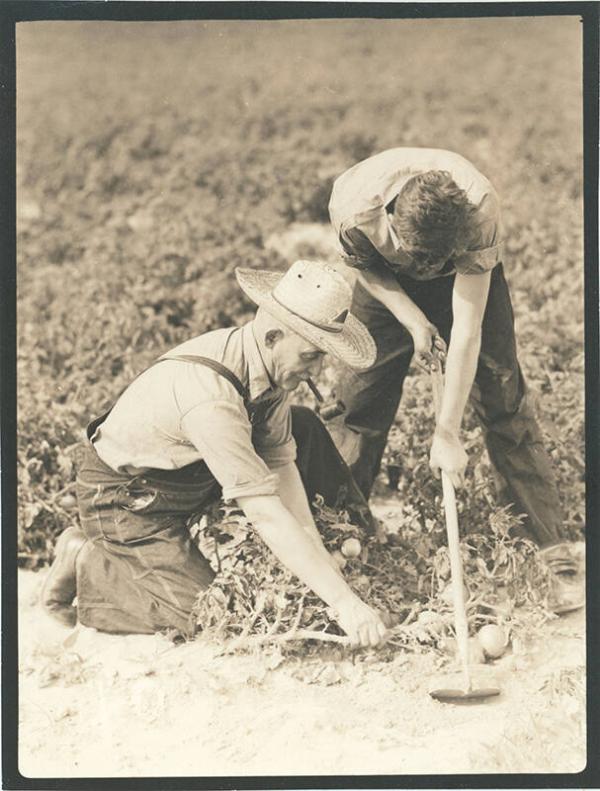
(254, 600)
(137, 200)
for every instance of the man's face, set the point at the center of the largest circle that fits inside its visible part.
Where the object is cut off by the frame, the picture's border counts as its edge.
(424, 266)
(294, 360)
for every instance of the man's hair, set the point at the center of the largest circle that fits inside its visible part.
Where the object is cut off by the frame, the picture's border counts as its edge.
(431, 217)
(267, 321)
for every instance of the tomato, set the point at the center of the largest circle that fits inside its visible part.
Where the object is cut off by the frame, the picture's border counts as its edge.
(493, 640)
(67, 501)
(351, 548)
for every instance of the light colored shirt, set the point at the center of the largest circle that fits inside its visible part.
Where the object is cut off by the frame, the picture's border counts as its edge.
(176, 413)
(361, 207)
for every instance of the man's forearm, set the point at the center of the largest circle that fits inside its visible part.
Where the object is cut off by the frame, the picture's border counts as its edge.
(461, 365)
(293, 494)
(384, 287)
(302, 554)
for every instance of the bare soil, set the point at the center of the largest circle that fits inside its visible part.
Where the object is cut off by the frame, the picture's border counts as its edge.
(100, 705)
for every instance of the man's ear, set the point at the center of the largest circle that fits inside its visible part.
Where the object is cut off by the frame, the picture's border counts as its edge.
(272, 337)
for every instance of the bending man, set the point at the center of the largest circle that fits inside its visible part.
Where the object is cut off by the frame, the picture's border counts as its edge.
(422, 227)
(213, 418)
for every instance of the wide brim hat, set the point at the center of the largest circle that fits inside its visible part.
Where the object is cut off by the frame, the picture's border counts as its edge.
(313, 299)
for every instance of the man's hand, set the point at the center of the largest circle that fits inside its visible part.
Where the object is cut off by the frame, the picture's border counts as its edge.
(429, 346)
(301, 550)
(383, 286)
(363, 625)
(448, 454)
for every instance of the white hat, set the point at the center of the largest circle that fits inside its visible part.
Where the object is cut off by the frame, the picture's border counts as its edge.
(314, 300)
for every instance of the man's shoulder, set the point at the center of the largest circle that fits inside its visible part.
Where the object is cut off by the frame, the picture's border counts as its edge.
(221, 346)
(371, 173)
(208, 344)
(359, 192)
(417, 158)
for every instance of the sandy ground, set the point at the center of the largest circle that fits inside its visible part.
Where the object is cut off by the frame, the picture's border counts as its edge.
(99, 705)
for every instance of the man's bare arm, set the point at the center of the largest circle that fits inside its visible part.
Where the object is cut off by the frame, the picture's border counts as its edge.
(309, 561)
(383, 286)
(293, 496)
(468, 305)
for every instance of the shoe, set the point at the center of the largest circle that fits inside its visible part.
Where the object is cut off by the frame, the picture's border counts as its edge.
(567, 586)
(559, 559)
(60, 585)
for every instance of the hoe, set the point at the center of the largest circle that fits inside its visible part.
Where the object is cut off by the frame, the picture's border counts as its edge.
(464, 692)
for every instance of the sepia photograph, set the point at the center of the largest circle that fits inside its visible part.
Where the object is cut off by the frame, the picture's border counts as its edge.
(301, 437)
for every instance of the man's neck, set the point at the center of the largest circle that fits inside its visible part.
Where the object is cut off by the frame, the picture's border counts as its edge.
(263, 351)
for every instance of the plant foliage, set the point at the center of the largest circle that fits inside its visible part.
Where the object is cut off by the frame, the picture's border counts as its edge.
(152, 162)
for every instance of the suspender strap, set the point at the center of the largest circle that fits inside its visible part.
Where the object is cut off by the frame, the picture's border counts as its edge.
(217, 367)
(186, 358)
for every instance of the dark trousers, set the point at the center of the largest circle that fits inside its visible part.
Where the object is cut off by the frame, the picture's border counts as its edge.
(140, 571)
(498, 396)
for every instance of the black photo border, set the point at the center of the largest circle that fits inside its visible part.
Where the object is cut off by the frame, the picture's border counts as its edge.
(12, 13)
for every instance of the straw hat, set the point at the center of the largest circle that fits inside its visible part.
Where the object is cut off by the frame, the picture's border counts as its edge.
(313, 300)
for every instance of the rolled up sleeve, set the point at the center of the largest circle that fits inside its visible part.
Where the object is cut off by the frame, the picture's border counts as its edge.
(486, 247)
(222, 434)
(357, 250)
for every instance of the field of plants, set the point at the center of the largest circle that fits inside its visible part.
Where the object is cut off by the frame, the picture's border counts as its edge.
(155, 158)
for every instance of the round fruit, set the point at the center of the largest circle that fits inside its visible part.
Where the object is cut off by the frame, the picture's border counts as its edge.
(493, 640)
(339, 559)
(67, 501)
(351, 548)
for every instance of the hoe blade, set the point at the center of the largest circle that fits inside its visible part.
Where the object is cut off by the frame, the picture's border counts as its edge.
(449, 695)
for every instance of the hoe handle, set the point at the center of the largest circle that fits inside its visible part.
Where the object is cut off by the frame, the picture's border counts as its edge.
(461, 625)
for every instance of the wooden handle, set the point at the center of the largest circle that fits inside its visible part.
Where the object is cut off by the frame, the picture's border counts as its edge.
(461, 625)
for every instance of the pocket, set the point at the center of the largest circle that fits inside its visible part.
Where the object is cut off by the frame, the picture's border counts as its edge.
(139, 498)
(138, 513)
(144, 497)
(139, 501)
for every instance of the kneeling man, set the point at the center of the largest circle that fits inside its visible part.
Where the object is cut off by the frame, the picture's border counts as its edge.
(212, 418)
